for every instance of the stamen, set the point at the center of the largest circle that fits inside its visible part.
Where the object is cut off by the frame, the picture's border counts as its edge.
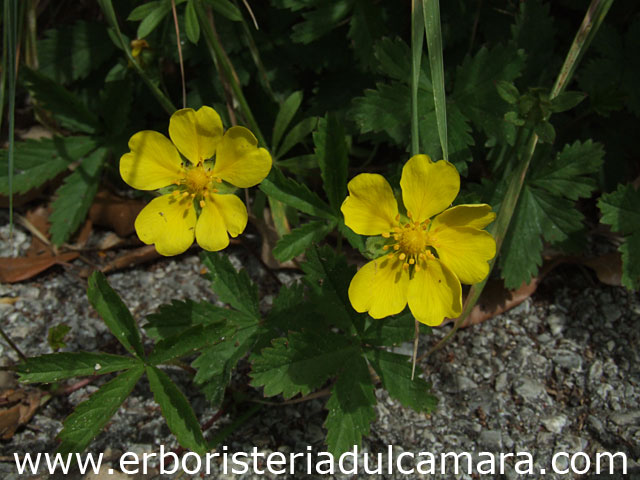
(411, 261)
(202, 204)
(405, 266)
(402, 256)
(417, 267)
(386, 247)
(409, 214)
(396, 247)
(185, 194)
(397, 217)
(386, 235)
(219, 180)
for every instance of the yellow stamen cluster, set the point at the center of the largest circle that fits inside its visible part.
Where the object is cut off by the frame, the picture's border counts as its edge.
(411, 242)
(197, 182)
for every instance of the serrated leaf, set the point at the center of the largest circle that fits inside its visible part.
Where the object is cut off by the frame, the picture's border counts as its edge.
(545, 131)
(351, 407)
(114, 313)
(226, 9)
(395, 374)
(54, 367)
(55, 336)
(215, 364)
(232, 286)
(75, 196)
(365, 26)
(391, 331)
(72, 52)
(331, 150)
(300, 363)
(508, 91)
(37, 161)
(292, 311)
(621, 210)
(294, 194)
(321, 20)
(299, 239)
(188, 342)
(153, 19)
(286, 113)
(297, 134)
(476, 95)
(90, 417)
(566, 101)
(191, 25)
(116, 100)
(63, 105)
(172, 319)
(385, 109)
(176, 410)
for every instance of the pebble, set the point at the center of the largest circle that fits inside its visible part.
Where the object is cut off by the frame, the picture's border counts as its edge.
(554, 423)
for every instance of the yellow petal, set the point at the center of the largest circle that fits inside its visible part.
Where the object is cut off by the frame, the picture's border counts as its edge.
(427, 187)
(196, 134)
(152, 163)
(380, 288)
(169, 222)
(434, 293)
(466, 251)
(221, 216)
(370, 208)
(476, 216)
(239, 161)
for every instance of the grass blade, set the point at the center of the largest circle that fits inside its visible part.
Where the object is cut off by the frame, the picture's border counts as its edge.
(417, 30)
(11, 41)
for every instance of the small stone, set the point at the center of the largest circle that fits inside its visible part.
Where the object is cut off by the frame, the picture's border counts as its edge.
(630, 417)
(464, 383)
(554, 423)
(491, 439)
(501, 382)
(595, 371)
(568, 359)
(531, 390)
(611, 312)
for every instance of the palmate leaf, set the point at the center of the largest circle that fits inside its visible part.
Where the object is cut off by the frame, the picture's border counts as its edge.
(546, 208)
(75, 196)
(90, 417)
(299, 239)
(321, 20)
(37, 161)
(351, 407)
(331, 151)
(188, 342)
(394, 371)
(392, 330)
(54, 367)
(300, 363)
(176, 410)
(621, 210)
(72, 52)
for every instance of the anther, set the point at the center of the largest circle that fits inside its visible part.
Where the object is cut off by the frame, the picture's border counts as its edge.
(402, 256)
(411, 261)
(386, 247)
(219, 180)
(409, 214)
(396, 247)
(185, 194)
(417, 268)
(202, 203)
(405, 266)
(386, 235)
(397, 217)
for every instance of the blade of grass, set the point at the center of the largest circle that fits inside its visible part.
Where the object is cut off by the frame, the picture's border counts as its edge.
(591, 23)
(431, 11)
(110, 15)
(221, 59)
(175, 22)
(10, 29)
(417, 31)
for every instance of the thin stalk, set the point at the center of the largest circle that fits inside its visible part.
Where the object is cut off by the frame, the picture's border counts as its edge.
(11, 40)
(227, 70)
(110, 14)
(12, 345)
(417, 30)
(593, 19)
(175, 22)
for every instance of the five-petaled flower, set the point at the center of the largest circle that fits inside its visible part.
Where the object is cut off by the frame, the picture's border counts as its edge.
(426, 258)
(200, 205)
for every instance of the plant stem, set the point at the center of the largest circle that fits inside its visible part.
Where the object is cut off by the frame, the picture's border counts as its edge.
(12, 345)
(175, 22)
(417, 30)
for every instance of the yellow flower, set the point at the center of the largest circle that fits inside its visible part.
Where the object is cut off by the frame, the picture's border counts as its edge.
(197, 207)
(428, 258)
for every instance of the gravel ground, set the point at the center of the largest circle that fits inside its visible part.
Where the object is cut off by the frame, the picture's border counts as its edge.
(560, 372)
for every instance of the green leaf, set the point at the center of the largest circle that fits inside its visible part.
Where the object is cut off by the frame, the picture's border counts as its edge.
(72, 52)
(385, 109)
(321, 20)
(153, 19)
(395, 374)
(144, 10)
(545, 131)
(116, 100)
(188, 342)
(366, 25)
(191, 25)
(90, 417)
(63, 105)
(621, 210)
(331, 150)
(231, 286)
(215, 364)
(226, 9)
(286, 113)
(292, 311)
(114, 313)
(172, 319)
(566, 101)
(391, 331)
(546, 208)
(176, 410)
(300, 363)
(297, 134)
(294, 194)
(75, 196)
(475, 90)
(54, 367)
(508, 92)
(37, 161)
(55, 336)
(351, 407)
(295, 243)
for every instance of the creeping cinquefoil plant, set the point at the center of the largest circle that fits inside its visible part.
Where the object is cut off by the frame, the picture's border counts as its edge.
(195, 165)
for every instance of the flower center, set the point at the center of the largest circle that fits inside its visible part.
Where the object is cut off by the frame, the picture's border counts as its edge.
(197, 182)
(411, 242)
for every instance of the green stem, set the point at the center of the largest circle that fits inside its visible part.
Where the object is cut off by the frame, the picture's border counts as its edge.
(227, 70)
(12, 345)
(11, 40)
(417, 30)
